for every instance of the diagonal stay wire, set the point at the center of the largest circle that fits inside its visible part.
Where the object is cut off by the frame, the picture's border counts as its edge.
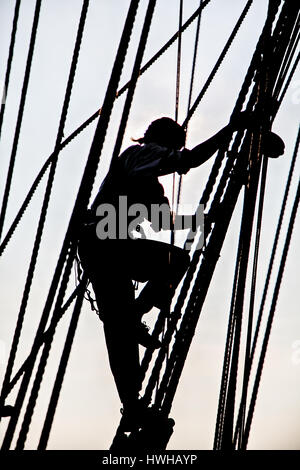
(84, 125)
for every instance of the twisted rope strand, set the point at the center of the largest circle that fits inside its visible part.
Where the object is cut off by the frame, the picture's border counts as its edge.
(271, 317)
(9, 60)
(20, 113)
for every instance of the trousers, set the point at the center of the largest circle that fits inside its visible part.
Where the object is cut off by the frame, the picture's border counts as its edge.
(112, 266)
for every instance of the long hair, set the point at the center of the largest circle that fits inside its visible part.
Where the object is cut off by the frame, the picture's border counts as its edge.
(164, 132)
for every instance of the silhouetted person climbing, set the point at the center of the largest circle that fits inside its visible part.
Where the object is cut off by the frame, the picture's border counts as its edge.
(113, 259)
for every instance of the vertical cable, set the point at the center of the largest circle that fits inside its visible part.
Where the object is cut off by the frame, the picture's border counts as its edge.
(20, 114)
(9, 60)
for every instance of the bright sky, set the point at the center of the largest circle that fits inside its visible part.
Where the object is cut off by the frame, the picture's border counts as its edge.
(89, 409)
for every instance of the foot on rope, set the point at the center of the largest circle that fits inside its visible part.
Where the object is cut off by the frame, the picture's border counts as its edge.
(145, 339)
(6, 410)
(136, 416)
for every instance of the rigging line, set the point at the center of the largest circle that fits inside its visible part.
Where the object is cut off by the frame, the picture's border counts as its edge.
(288, 61)
(178, 60)
(227, 355)
(248, 357)
(42, 219)
(239, 103)
(231, 394)
(134, 78)
(255, 61)
(43, 338)
(82, 199)
(287, 84)
(251, 303)
(274, 248)
(201, 285)
(196, 256)
(271, 317)
(61, 370)
(228, 435)
(20, 113)
(84, 125)
(9, 60)
(243, 88)
(218, 63)
(45, 354)
(239, 289)
(191, 89)
(195, 57)
(288, 57)
(172, 39)
(177, 96)
(193, 298)
(264, 111)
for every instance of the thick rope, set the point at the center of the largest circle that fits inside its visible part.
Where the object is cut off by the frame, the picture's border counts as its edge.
(243, 257)
(61, 370)
(188, 325)
(196, 43)
(43, 338)
(239, 425)
(178, 67)
(20, 114)
(250, 358)
(271, 317)
(247, 362)
(134, 78)
(290, 53)
(9, 60)
(287, 84)
(270, 268)
(224, 427)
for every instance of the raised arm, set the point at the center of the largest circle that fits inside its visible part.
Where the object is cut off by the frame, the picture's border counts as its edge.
(206, 149)
(273, 145)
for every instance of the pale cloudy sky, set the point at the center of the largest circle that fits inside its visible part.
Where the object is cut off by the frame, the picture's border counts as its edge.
(88, 411)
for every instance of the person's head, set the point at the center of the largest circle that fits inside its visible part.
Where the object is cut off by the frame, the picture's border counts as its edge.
(164, 132)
